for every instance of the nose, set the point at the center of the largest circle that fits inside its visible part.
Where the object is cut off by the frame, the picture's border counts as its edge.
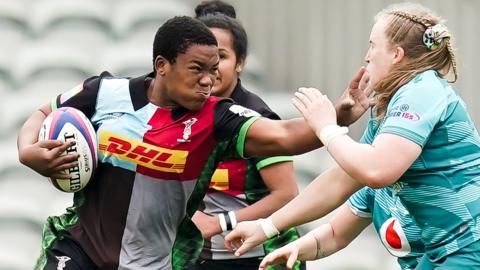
(207, 80)
(367, 57)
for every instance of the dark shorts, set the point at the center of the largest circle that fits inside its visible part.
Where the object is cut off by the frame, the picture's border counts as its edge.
(66, 254)
(238, 264)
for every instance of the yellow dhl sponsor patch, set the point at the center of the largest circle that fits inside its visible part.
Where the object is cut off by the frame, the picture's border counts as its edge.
(141, 153)
(220, 180)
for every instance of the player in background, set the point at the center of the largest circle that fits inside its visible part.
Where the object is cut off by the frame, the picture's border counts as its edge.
(240, 189)
(160, 137)
(420, 143)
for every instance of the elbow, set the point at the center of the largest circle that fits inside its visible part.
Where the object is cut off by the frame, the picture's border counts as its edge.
(374, 179)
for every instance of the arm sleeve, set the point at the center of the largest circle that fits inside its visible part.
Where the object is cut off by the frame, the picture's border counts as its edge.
(361, 202)
(83, 97)
(232, 122)
(414, 112)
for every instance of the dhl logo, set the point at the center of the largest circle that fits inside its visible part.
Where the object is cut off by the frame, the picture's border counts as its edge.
(219, 180)
(144, 154)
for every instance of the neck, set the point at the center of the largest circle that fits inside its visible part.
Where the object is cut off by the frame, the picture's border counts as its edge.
(157, 97)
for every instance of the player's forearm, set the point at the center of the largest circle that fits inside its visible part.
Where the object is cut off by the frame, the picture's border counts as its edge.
(265, 207)
(280, 137)
(361, 161)
(28, 134)
(323, 195)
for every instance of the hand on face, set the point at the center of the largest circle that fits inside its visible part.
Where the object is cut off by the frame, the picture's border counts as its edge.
(315, 107)
(247, 235)
(355, 100)
(46, 157)
(287, 253)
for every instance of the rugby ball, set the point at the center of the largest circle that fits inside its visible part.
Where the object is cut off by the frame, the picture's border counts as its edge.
(69, 124)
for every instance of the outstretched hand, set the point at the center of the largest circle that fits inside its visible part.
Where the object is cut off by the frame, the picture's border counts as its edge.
(287, 253)
(48, 159)
(247, 235)
(315, 107)
(355, 101)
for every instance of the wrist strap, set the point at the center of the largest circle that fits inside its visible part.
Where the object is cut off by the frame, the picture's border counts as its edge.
(233, 219)
(223, 222)
(330, 132)
(268, 227)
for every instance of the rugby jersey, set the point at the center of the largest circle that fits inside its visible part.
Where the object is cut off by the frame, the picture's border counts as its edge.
(155, 165)
(441, 189)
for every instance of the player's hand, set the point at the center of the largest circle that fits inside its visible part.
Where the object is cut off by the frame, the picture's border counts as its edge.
(208, 225)
(287, 253)
(48, 159)
(247, 235)
(315, 107)
(355, 101)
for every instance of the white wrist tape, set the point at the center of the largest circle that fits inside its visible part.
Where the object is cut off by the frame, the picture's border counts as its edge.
(330, 132)
(233, 219)
(268, 227)
(223, 222)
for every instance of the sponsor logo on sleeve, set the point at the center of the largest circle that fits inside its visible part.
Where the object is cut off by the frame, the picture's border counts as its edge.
(242, 111)
(403, 111)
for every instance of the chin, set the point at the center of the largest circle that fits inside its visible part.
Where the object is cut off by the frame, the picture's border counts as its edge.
(196, 106)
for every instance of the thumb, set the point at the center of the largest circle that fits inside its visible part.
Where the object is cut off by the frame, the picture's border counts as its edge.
(246, 246)
(291, 260)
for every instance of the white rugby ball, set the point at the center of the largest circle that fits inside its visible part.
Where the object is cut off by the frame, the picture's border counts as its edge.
(69, 124)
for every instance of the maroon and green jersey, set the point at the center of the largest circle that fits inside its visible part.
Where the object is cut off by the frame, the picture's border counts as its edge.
(155, 165)
(235, 184)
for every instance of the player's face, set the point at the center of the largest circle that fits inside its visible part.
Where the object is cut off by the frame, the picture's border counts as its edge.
(229, 66)
(380, 56)
(189, 81)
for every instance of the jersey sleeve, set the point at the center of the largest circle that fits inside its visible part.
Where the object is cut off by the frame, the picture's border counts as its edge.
(414, 111)
(361, 202)
(369, 133)
(261, 163)
(232, 122)
(82, 97)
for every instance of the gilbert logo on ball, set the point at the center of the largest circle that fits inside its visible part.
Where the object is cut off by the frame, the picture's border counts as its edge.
(69, 124)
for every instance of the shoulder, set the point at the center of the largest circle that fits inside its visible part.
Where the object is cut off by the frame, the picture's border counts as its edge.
(254, 102)
(427, 84)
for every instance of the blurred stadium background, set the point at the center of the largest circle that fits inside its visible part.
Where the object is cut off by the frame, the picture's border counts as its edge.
(49, 46)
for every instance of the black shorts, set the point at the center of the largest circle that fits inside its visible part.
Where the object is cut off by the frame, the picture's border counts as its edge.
(67, 254)
(237, 264)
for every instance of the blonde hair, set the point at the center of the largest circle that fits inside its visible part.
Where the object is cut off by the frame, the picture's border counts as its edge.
(406, 25)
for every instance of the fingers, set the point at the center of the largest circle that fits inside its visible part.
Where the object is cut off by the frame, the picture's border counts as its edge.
(246, 246)
(231, 238)
(50, 144)
(57, 151)
(364, 82)
(60, 175)
(291, 261)
(66, 166)
(357, 78)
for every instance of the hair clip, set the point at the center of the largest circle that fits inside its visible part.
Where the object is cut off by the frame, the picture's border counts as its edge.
(434, 35)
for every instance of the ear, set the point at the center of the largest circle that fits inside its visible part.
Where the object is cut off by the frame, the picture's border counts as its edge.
(239, 65)
(399, 55)
(161, 65)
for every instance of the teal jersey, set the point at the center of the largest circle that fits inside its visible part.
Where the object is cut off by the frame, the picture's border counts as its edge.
(395, 227)
(441, 189)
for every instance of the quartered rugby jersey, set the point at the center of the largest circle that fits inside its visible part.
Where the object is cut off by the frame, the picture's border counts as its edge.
(155, 165)
(441, 189)
(395, 227)
(237, 184)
